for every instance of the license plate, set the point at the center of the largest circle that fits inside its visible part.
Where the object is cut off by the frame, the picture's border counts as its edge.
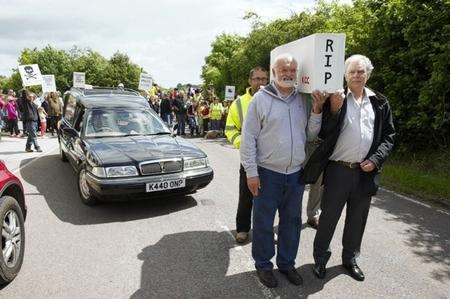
(166, 185)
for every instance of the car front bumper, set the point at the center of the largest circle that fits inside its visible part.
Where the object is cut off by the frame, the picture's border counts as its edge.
(136, 186)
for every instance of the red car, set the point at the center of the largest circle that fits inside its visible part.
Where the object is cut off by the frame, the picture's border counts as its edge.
(12, 216)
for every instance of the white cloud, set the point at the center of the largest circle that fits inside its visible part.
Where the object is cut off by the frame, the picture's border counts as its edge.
(168, 38)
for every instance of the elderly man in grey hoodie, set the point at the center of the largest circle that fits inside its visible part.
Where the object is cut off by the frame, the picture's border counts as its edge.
(279, 122)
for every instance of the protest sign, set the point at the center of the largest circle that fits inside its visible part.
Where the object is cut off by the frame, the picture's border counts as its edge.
(145, 81)
(79, 79)
(229, 92)
(30, 74)
(321, 61)
(48, 83)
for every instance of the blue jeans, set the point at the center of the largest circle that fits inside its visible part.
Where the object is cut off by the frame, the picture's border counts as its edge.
(166, 117)
(30, 128)
(215, 124)
(181, 119)
(284, 193)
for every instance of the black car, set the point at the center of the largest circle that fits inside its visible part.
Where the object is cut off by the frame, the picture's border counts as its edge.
(120, 148)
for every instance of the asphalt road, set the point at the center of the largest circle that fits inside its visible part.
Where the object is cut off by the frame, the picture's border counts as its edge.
(183, 247)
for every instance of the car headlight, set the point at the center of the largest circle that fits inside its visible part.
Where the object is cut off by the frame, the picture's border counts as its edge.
(195, 163)
(98, 172)
(114, 172)
(121, 171)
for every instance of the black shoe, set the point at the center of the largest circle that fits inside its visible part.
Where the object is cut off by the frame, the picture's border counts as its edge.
(39, 150)
(267, 278)
(320, 270)
(313, 222)
(293, 276)
(354, 271)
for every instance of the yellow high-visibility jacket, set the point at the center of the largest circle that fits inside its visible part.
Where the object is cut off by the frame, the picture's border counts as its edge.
(235, 118)
(216, 111)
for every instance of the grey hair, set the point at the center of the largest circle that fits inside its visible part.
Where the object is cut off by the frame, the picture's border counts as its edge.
(364, 59)
(284, 57)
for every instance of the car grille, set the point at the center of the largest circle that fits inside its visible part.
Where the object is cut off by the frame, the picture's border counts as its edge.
(149, 168)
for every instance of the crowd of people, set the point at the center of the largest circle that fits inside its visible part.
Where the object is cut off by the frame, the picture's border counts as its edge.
(190, 110)
(27, 114)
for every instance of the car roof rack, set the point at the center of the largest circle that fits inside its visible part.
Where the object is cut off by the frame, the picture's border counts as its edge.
(97, 90)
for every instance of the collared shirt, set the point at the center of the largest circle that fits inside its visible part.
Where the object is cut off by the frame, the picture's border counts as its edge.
(356, 135)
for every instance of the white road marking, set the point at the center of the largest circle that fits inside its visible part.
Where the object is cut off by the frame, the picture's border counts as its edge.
(413, 200)
(18, 169)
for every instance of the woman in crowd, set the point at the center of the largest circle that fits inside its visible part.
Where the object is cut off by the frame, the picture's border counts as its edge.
(54, 111)
(13, 117)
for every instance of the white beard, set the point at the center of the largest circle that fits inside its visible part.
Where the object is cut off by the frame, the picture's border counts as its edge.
(285, 83)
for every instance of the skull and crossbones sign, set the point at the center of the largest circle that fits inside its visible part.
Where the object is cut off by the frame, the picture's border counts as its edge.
(29, 72)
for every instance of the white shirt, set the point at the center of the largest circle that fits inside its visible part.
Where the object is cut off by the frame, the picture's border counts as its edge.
(356, 135)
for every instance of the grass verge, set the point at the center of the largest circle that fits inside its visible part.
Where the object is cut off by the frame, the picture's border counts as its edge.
(421, 175)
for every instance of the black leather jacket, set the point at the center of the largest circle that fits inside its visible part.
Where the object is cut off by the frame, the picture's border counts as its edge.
(382, 144)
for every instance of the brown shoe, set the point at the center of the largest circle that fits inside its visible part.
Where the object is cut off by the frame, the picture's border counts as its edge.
(313, 222)
(28, 150)
(241, 237)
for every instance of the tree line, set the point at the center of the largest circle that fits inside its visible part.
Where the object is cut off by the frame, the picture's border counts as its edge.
(61, 63)
(407, 41)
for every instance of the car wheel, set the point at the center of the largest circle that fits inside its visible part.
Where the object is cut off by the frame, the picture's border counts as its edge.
(62, 154)
(84, 190)
(13, 239)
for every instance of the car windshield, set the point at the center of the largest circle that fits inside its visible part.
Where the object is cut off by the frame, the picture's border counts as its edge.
(123, 122)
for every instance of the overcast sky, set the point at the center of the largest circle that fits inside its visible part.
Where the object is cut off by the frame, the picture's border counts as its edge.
(169, 39)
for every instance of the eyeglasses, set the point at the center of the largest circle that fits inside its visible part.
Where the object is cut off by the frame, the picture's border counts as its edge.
(259, 79)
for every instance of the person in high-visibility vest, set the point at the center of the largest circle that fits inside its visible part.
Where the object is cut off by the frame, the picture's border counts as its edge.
(216, 111)
(236, 114)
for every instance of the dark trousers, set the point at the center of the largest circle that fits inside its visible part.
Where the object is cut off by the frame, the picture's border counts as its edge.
(14, 126)
(244, 211)
(53, 123)
(205, 125)
(342, 185)
(181, 119)
(30, 127)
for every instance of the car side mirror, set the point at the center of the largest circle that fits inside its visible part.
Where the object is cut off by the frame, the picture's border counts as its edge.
(71, 132)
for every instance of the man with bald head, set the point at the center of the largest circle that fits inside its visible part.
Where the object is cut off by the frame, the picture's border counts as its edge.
(278, 124)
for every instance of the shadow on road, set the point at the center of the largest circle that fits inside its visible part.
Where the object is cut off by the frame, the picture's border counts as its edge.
(220, 141)
(428, 235)
(57, 183)
(195, 265)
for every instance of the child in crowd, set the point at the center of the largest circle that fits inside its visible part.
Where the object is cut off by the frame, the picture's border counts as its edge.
(42, 120)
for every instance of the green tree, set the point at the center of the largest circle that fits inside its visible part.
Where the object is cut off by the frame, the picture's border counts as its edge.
(407, 41)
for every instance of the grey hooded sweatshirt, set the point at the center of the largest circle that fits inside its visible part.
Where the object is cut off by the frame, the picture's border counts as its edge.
(276, 130)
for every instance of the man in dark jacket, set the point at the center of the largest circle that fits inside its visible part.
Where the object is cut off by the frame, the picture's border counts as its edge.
(358, 135)
(165, 109)
(179, 106)
(30, 119)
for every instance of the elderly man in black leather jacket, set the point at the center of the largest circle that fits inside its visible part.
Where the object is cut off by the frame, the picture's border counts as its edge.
(358, 135)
